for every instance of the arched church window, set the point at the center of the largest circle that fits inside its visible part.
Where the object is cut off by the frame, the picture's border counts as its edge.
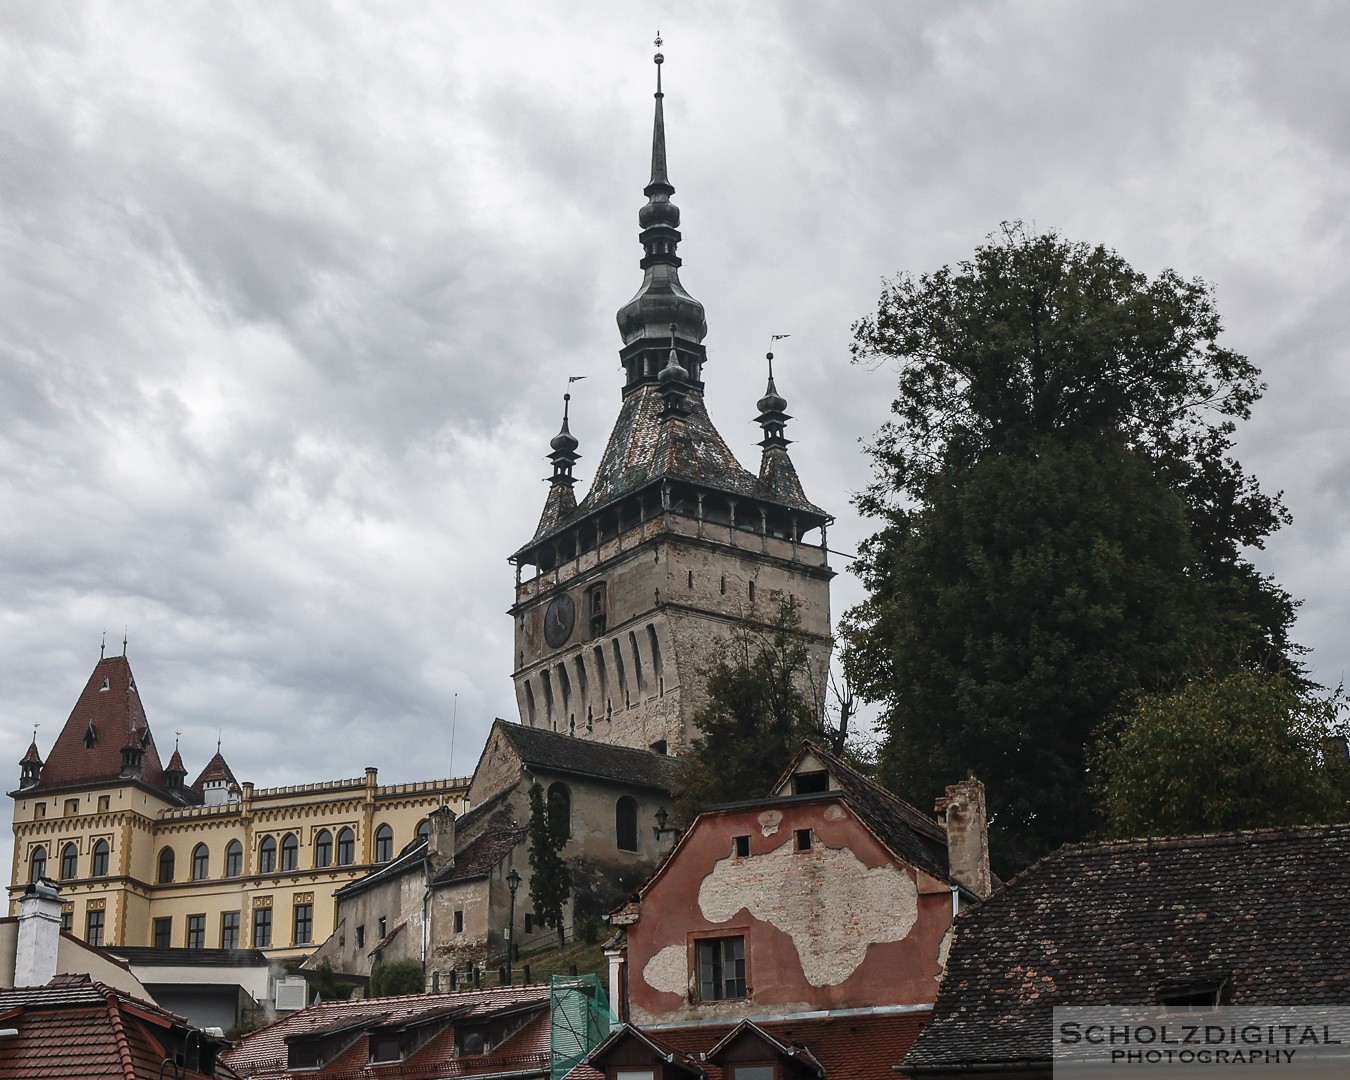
(625, 823)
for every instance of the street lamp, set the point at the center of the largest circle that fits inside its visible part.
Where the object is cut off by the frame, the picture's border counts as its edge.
(512, 883)
(660, 828)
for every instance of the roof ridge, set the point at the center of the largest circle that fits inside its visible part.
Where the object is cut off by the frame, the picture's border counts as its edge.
(111, 1001)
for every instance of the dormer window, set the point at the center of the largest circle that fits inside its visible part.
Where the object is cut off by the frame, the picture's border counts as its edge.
(107, 684)
(90, 736)
(810, 783)
(1193, 997)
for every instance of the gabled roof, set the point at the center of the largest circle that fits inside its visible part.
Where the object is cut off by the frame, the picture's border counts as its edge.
(748, 1029)
(1263, 912)
(674, 1060)
(584, 757)
(523, 1053)
(479, 857)
(75, 1026)
(906, 830)
(107, 717)
(846, 1045)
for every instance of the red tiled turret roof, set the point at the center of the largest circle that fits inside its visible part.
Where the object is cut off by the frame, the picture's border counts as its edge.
(32, 757)
(107, 717)
(216, 770)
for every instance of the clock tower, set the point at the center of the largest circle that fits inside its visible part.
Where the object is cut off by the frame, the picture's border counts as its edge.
(624, 598)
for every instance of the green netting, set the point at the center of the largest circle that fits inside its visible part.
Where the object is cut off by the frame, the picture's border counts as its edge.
(579, 1018)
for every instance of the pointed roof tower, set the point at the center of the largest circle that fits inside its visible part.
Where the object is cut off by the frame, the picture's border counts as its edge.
(30, 765)
(561, 501)
(107, 718)
(664, 451)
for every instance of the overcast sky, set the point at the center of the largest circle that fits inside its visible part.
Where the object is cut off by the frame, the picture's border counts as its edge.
(290, 294)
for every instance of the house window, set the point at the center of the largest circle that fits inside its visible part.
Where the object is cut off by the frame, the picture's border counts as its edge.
(323, 849)
(721, 968)
(234, 859)
(72, 807)
(201, 862)
(424, 829)
(384, 927)
(262, 927)
(634, 1074)
(229, 929)
(37, 864)
(40, 809)
(741, 846)
(93, 927)
(304, 924)
(103, 803)
(1190, 998)
(267, 855)
(802, 838)
(68, 857)
(751, 1072)
(346, 847)
(163, 932)
(99, 863)
(625, 823)
(560, 809)
(459, 920)
(529, 922)
(165, 874)
(595, 605)
(384, 843)
(290, 852)
(361, 936)
(811, 783)
(67, 917)
(196, 932)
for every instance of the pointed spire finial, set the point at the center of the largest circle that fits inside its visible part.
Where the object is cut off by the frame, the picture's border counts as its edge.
(217, 740)
(772, 406)
(124, 642)
(102, 645)
(564, 445)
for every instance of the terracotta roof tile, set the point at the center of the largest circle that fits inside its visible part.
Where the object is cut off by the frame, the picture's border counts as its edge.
(1263, 911)
(107, 717)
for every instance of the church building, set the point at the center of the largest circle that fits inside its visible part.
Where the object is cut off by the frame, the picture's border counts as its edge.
(623, 597)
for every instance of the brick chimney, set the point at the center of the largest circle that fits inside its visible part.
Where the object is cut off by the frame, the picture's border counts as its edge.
(441, 838)
(39, 934)
(961, 811)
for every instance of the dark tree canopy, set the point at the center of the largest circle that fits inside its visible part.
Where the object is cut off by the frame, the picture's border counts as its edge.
(760, 705)
(1062, 522)
(1245, 751)
(550, 883)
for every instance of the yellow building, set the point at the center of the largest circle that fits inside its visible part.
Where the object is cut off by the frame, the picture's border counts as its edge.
(144, 858)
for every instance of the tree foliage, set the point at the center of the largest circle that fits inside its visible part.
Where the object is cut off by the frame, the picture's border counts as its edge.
(761, 702)
(550, 884)
(1241, 751)
(1061, 521)
(399, 977)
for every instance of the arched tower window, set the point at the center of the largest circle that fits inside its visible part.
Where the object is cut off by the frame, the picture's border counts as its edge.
(165, 874)
(98, 864)
(346, 847)
(560, 808)
(290, 852)
(625, 823)
(267, 855)
(234, 859)
(68, 861)
(637, 663)
(37, 864)
(323, 849)
(384, 843)
(201, 862)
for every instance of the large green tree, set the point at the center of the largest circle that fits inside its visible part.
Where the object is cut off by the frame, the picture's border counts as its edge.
(550, 882)
(1062, 522)
(1241, 751)
(761, 702)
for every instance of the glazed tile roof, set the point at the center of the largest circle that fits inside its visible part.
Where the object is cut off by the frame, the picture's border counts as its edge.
(567, 753)
(75, 1027)
(858, 1046)
(109, 719)
(645, 449)
(1264, 912)
(524, 1052)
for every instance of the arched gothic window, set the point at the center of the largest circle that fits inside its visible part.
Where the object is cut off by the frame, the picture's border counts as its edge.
(37, 864)
(201, 862)
(346, 847)
(165, 874)
(323, 849)
(290, 852)
(267, 855)
(98, 864)
(234, 859)
(384, 843)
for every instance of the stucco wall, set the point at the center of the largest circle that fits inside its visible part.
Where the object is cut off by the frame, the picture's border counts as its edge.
(840, 925)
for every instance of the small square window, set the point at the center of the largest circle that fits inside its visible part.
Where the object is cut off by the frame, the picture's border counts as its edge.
(40, 810)
(742, 846)
(802, 838)
(104, 802)
(72, 807)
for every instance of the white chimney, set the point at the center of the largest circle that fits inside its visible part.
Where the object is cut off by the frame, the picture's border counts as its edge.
(39, 934)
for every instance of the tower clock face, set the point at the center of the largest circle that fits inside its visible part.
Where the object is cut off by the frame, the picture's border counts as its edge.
(558, 620)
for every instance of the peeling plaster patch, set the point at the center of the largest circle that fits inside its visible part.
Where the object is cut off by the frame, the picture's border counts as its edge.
(769, 821)
(826, 900)
(666, 971)
(835, 812)
(944, 948)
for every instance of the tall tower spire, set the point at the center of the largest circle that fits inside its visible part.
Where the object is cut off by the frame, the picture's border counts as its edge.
(661, 300)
